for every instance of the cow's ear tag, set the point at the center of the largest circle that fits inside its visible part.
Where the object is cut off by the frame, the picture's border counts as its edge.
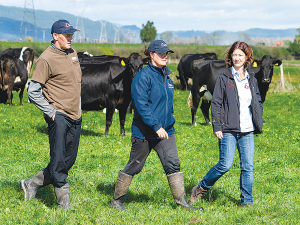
(276, 64)
(254, 64)
(123, 63)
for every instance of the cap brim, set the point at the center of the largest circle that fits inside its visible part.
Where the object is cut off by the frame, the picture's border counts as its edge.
(70, 31)
(164, 51)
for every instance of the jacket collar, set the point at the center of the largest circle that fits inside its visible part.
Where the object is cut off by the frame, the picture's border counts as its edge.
(163, 71)
(228, 73)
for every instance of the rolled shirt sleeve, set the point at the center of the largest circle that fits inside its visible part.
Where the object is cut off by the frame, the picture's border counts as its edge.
(36, 97)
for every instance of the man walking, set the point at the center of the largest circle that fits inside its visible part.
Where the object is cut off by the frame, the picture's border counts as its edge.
(58, 74)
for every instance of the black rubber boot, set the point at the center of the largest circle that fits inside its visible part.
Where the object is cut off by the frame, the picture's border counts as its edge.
(31, 185)
(177, 188)
(63, 196)
(122, 185)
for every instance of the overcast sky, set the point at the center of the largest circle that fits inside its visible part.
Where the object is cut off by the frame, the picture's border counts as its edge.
(204, 15)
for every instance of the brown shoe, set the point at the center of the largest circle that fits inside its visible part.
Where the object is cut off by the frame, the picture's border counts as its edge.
(197, 193)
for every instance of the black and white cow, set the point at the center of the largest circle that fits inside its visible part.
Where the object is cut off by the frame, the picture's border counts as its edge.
(10, 69)
(25, 54)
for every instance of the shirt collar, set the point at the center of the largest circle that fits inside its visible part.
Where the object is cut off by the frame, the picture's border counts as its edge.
(59, 49)
(236, 75)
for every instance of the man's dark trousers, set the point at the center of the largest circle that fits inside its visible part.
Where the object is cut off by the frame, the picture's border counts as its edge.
(64, 135)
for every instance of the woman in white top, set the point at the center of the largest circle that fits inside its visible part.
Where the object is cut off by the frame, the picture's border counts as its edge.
(237, 115)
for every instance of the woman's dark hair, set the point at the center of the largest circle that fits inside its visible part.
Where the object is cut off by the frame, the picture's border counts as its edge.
(243, 47)
(146, 52)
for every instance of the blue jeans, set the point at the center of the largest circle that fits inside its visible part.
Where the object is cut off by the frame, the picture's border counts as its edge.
(227, 146)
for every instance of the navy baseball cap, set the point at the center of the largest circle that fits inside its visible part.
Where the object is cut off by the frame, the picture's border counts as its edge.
(159, 46)
(62, 26)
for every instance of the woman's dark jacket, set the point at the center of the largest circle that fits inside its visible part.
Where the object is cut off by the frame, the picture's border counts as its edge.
(152, 92)
(225, 104)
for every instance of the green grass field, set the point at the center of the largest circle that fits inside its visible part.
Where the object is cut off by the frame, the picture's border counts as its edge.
(25, 151)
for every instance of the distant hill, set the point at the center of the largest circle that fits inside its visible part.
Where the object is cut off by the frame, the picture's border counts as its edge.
(11, 17)
(253, 32)
(268, 33)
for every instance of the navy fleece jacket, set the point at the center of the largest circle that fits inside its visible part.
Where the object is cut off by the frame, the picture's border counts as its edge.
(152, 92)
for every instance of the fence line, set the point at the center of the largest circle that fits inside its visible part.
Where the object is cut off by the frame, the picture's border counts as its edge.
(291, 64)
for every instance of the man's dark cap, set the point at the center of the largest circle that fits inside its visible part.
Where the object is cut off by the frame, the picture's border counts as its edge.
(62, 26)
(159, 46)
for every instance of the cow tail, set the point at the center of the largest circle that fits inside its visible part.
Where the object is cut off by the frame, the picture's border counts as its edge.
(190, 100)
(29, 65)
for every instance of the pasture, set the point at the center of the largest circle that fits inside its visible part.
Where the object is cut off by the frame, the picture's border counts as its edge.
(24, 151)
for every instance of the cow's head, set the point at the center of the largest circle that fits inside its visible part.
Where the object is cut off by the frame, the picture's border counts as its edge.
(28, 55)
(134, 63)
(263, 68)
(267, 63)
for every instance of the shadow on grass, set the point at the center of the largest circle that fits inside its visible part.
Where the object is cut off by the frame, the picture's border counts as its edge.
(90, 133)
(44, 130)
(108, 189)
(190, 124)
(45, 194)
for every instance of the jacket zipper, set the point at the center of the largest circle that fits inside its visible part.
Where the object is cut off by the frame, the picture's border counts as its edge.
(237, 101)
(166, 101)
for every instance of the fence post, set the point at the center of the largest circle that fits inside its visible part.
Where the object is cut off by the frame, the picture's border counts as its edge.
(282, 78)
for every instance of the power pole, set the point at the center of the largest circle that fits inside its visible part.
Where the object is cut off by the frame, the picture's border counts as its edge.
(103, 34)
(117, 35)
(80, 35)
(28, 19)
(79, 7)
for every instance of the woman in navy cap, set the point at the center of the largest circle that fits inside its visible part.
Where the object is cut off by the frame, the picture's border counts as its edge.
(152, 92)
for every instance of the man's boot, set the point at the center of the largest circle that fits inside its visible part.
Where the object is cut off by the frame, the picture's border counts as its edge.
(122, 185)
(197, 193)
(63, 196)
(177, 188)
(31, 185)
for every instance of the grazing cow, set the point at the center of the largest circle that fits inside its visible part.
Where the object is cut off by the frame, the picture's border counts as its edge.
(185, 66)
(206, 72)
(10, 69)
(25, 54)
(108, 86)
